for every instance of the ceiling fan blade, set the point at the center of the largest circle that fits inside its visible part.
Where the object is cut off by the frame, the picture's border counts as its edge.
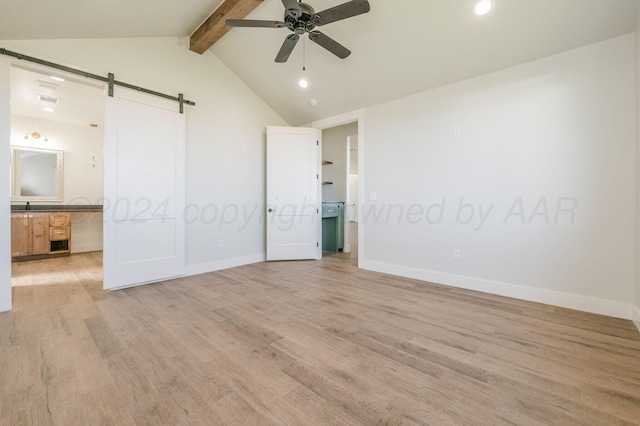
(254, 23)
(291, 4)
(343, 11)
(292, 7)
(287, 48)
(330, 44)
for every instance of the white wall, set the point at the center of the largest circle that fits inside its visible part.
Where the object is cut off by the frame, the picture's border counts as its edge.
(225, 136)
(334, 149)
(86, 232)
(5, 160)
(83, 183)
(556, 132)
(636, 310)
(83, 176)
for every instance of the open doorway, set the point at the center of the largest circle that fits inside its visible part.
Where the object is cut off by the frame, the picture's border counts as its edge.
(56, 234)
(339, 196)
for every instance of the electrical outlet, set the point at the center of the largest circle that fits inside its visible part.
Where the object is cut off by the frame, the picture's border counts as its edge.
(457, 131)
(220, 243)
(457, 254)
(373, 196)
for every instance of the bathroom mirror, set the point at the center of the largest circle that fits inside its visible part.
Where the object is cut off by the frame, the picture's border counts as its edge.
(36, 174)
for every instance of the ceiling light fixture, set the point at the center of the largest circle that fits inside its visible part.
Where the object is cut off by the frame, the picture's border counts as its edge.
(48, 86)
(49, 109)
(49, 99)
(303, 83)
(482, 8)
(313, 102)
(36, 135)
(53, 77)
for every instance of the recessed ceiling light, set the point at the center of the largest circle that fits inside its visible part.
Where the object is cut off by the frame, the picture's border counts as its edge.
(313, 102)
(47, 85)
(49, 109)
(53, 77)
(49, 99)
(482, 7)
(303, 83)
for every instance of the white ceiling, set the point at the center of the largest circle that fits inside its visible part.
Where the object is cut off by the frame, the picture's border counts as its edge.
(404, 47)
(398, 48)
(59, 19)
(79, 102)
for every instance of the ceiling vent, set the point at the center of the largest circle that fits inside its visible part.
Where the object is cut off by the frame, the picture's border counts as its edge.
(49, 99)
(48, 86)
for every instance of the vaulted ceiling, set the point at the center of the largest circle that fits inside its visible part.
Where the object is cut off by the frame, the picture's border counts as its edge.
(398, 48)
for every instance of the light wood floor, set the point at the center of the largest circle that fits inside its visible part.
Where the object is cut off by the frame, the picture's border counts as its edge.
(306, 343)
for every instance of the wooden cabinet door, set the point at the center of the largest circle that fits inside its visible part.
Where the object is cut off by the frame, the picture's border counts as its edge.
(40, 243)
(19, 235)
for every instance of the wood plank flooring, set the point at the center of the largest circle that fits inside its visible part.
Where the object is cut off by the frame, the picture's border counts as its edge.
(304, 343)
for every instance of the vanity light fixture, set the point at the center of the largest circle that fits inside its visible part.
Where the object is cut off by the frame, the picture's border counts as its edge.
(482, 7)
(35, 135)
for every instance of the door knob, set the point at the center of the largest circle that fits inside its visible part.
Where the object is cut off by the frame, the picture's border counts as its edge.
(271, 210)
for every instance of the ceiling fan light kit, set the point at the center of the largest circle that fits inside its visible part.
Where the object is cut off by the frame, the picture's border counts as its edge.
(300, 18)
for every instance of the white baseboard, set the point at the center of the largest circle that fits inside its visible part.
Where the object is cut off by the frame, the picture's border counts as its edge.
(218, 265)
(636, 316)
(594, 305)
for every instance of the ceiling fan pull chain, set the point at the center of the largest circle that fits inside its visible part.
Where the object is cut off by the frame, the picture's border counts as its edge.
(304, 53)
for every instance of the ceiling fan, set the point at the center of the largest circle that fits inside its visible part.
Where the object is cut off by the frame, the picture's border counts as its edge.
(300, 18)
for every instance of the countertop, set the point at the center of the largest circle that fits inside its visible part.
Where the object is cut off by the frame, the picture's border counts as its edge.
(19, 208)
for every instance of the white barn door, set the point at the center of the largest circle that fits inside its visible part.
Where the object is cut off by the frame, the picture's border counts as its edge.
(294, 198)
(144, 232)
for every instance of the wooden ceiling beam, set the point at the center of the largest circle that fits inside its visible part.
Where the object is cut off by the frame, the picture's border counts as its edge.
(214, 27)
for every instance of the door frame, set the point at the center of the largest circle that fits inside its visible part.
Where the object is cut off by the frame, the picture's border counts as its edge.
(6, 63)
(347, 239)
(339, 120)
(5, 202)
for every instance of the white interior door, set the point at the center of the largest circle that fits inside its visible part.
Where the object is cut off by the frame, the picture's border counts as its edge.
(294, 219)
(144, 234)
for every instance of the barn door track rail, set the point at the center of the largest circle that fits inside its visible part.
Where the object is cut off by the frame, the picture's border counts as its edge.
(110, 79)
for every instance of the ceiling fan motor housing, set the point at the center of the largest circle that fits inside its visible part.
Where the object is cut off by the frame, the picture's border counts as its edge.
(300, 21)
